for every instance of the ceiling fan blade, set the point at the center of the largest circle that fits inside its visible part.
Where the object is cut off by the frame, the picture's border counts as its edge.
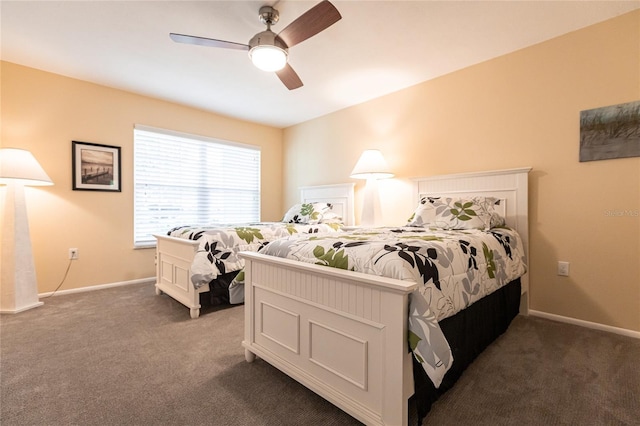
(211, 42)
(318, 18)
(289, 77)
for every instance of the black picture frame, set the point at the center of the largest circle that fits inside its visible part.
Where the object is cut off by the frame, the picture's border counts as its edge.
(96, 167)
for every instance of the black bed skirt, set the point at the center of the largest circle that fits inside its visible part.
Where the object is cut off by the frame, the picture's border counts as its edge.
(468, 332)
(218, 293)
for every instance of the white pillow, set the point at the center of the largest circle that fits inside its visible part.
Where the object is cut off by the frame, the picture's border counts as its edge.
(306, 213)
(456, 213)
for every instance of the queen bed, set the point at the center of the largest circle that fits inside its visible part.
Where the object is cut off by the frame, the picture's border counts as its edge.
(367, 342)
(194, 262)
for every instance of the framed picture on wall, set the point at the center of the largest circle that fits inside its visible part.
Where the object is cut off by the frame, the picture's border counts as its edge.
(96, 167)
(610, 132)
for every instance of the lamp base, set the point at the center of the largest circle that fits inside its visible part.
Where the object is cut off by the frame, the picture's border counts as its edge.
(371, 210)
(21, 309)
(18, 286)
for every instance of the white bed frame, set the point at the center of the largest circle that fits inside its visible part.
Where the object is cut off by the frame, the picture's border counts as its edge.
(174, 256)
(343, 334)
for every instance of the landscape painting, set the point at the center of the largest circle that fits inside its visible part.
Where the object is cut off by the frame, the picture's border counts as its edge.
(95, 167)
(610, 132)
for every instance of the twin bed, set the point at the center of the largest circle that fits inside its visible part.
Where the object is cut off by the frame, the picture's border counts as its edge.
(193, 262)
(343, 334)
(347, 335)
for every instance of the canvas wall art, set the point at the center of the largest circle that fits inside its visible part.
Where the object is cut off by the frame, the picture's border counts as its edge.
(610, 132)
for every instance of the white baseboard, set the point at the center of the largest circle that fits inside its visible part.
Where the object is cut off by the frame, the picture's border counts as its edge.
(587, 324)
(99, 287)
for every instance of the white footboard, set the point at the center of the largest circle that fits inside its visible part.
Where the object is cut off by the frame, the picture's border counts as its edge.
(340, 333)
(173, 277)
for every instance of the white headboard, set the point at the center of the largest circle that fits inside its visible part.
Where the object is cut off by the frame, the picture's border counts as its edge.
(510, 186)
(340, 196)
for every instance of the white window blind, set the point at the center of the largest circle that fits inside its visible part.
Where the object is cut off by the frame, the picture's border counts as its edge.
(183, 179)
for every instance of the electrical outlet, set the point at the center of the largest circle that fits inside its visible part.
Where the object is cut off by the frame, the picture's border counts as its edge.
(73, 254)
(563, 269)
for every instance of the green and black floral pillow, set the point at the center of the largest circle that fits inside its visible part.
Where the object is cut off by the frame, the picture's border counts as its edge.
(457, 213)
(309, 213)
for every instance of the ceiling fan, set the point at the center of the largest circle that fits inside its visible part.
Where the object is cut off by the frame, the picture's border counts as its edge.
(269, 51)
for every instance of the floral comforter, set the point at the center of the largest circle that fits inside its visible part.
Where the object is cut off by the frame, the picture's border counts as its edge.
(220, 244)
(453, 269)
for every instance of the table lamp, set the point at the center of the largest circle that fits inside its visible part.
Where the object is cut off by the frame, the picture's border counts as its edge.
(371, 166)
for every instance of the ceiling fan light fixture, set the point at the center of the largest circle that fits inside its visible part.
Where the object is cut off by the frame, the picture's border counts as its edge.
(268, 57)
(270, 51)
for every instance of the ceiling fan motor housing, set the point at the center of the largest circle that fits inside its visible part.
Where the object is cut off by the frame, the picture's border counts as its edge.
(267, 38)
(268, 15)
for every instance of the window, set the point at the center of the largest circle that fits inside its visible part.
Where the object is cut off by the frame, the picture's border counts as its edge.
(182, 179)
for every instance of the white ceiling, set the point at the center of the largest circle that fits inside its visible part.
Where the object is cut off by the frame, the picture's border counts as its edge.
(377, 48)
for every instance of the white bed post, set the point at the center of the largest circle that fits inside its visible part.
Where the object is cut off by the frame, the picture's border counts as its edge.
(248, 311)
(395, 409)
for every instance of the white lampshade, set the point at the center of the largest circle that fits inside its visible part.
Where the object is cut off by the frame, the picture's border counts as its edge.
(20, 166)
(371, 165)
(268, 58)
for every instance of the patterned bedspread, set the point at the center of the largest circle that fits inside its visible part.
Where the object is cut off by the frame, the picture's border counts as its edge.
(220, 244)
(453, 269)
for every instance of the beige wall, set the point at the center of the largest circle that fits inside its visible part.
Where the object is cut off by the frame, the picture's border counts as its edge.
(44, 112)
(518, 110)
(521, 109)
